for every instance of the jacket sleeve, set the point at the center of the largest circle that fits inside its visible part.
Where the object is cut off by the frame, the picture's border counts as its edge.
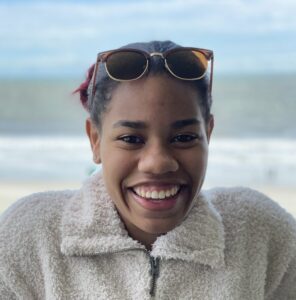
(286, 289)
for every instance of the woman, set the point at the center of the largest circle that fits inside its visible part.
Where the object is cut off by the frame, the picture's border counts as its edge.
(142, 228)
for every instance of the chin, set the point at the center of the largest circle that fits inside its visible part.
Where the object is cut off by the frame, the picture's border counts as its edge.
(159, 226)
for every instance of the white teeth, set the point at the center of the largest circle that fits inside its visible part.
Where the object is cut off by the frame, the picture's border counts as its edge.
(168, 193)
(156, 194)
(161, 195)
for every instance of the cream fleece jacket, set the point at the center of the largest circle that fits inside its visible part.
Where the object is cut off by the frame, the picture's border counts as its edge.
(235, 244)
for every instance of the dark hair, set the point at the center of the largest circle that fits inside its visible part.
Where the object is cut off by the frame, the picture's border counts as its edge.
(105, 85)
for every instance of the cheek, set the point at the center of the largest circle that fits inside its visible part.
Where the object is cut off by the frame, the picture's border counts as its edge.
(117, 165)
(195, 163)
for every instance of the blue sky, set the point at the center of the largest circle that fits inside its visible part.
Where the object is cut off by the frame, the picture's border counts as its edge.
(62, 38)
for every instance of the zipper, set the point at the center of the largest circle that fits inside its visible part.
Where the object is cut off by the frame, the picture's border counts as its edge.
(154, 272)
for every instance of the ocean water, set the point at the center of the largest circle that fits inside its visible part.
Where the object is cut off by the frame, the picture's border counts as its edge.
(250, 161)
(42, 131)
(244, 106)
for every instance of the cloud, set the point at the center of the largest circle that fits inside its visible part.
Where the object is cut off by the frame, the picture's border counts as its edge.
(59, 30)
(91, 17)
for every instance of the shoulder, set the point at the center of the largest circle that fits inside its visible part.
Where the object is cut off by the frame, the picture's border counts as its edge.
(35, 208)
(29, 229)
(30, 218)
(246, 200)
(258, 228)
(242, 207)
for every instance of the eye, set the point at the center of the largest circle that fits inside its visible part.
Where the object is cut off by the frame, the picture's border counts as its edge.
(131, 139)
(185, 138)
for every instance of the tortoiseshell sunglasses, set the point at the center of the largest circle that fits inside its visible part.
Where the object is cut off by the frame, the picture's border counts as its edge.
(128, 64)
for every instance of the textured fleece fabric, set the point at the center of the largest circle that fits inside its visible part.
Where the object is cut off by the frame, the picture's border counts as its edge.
(235, 244)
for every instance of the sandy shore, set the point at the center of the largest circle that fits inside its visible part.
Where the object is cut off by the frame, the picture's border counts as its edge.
(12, 191)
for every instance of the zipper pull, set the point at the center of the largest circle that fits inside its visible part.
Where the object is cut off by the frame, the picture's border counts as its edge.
(154, 272)
(154, 263)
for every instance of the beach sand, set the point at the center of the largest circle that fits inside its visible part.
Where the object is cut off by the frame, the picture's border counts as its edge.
(12, 191)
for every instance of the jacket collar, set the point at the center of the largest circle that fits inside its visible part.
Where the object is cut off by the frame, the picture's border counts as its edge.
(92, 226)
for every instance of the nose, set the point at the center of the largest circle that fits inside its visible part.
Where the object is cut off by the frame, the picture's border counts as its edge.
(157, 160)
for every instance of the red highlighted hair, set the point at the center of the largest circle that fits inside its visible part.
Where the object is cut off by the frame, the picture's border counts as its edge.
(83, 88)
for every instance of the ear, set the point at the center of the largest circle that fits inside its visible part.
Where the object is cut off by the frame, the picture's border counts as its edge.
(210, 127)
(94, 139)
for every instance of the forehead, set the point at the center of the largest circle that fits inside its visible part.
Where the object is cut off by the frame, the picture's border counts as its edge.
(154, 97)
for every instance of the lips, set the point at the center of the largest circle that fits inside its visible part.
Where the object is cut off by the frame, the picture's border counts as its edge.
(158, 196)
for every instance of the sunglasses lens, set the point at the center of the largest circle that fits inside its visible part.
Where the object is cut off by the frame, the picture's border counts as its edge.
(187, 64)
(126, 65)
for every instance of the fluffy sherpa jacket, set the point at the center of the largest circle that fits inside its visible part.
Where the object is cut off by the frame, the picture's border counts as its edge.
(235, 244)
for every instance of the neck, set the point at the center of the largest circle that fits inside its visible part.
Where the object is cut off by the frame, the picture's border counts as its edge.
(145, 238)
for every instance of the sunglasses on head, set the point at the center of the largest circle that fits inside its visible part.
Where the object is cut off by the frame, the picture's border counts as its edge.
(131, 64)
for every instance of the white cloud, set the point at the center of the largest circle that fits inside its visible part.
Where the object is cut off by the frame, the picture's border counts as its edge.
(30, 30)
(225, 16)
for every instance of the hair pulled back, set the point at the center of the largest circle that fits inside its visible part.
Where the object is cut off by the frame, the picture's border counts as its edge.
(105, 86)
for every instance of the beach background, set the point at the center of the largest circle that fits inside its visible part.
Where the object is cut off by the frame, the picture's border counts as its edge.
(48, 46)
(43, 145)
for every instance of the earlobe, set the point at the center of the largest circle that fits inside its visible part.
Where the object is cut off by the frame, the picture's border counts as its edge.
(94, 139)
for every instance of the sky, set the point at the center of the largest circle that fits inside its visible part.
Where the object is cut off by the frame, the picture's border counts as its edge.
(61, 38)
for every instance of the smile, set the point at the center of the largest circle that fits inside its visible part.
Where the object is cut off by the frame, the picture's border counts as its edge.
(156, 194)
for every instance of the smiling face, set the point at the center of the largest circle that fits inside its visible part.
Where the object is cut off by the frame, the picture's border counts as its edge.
(153, 146)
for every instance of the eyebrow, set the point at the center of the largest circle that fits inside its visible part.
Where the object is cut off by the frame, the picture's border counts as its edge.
(142, 125)
(130, 124)
(183, 123)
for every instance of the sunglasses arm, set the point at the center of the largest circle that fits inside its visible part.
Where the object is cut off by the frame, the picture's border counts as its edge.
(211, 76)
(93, 90)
